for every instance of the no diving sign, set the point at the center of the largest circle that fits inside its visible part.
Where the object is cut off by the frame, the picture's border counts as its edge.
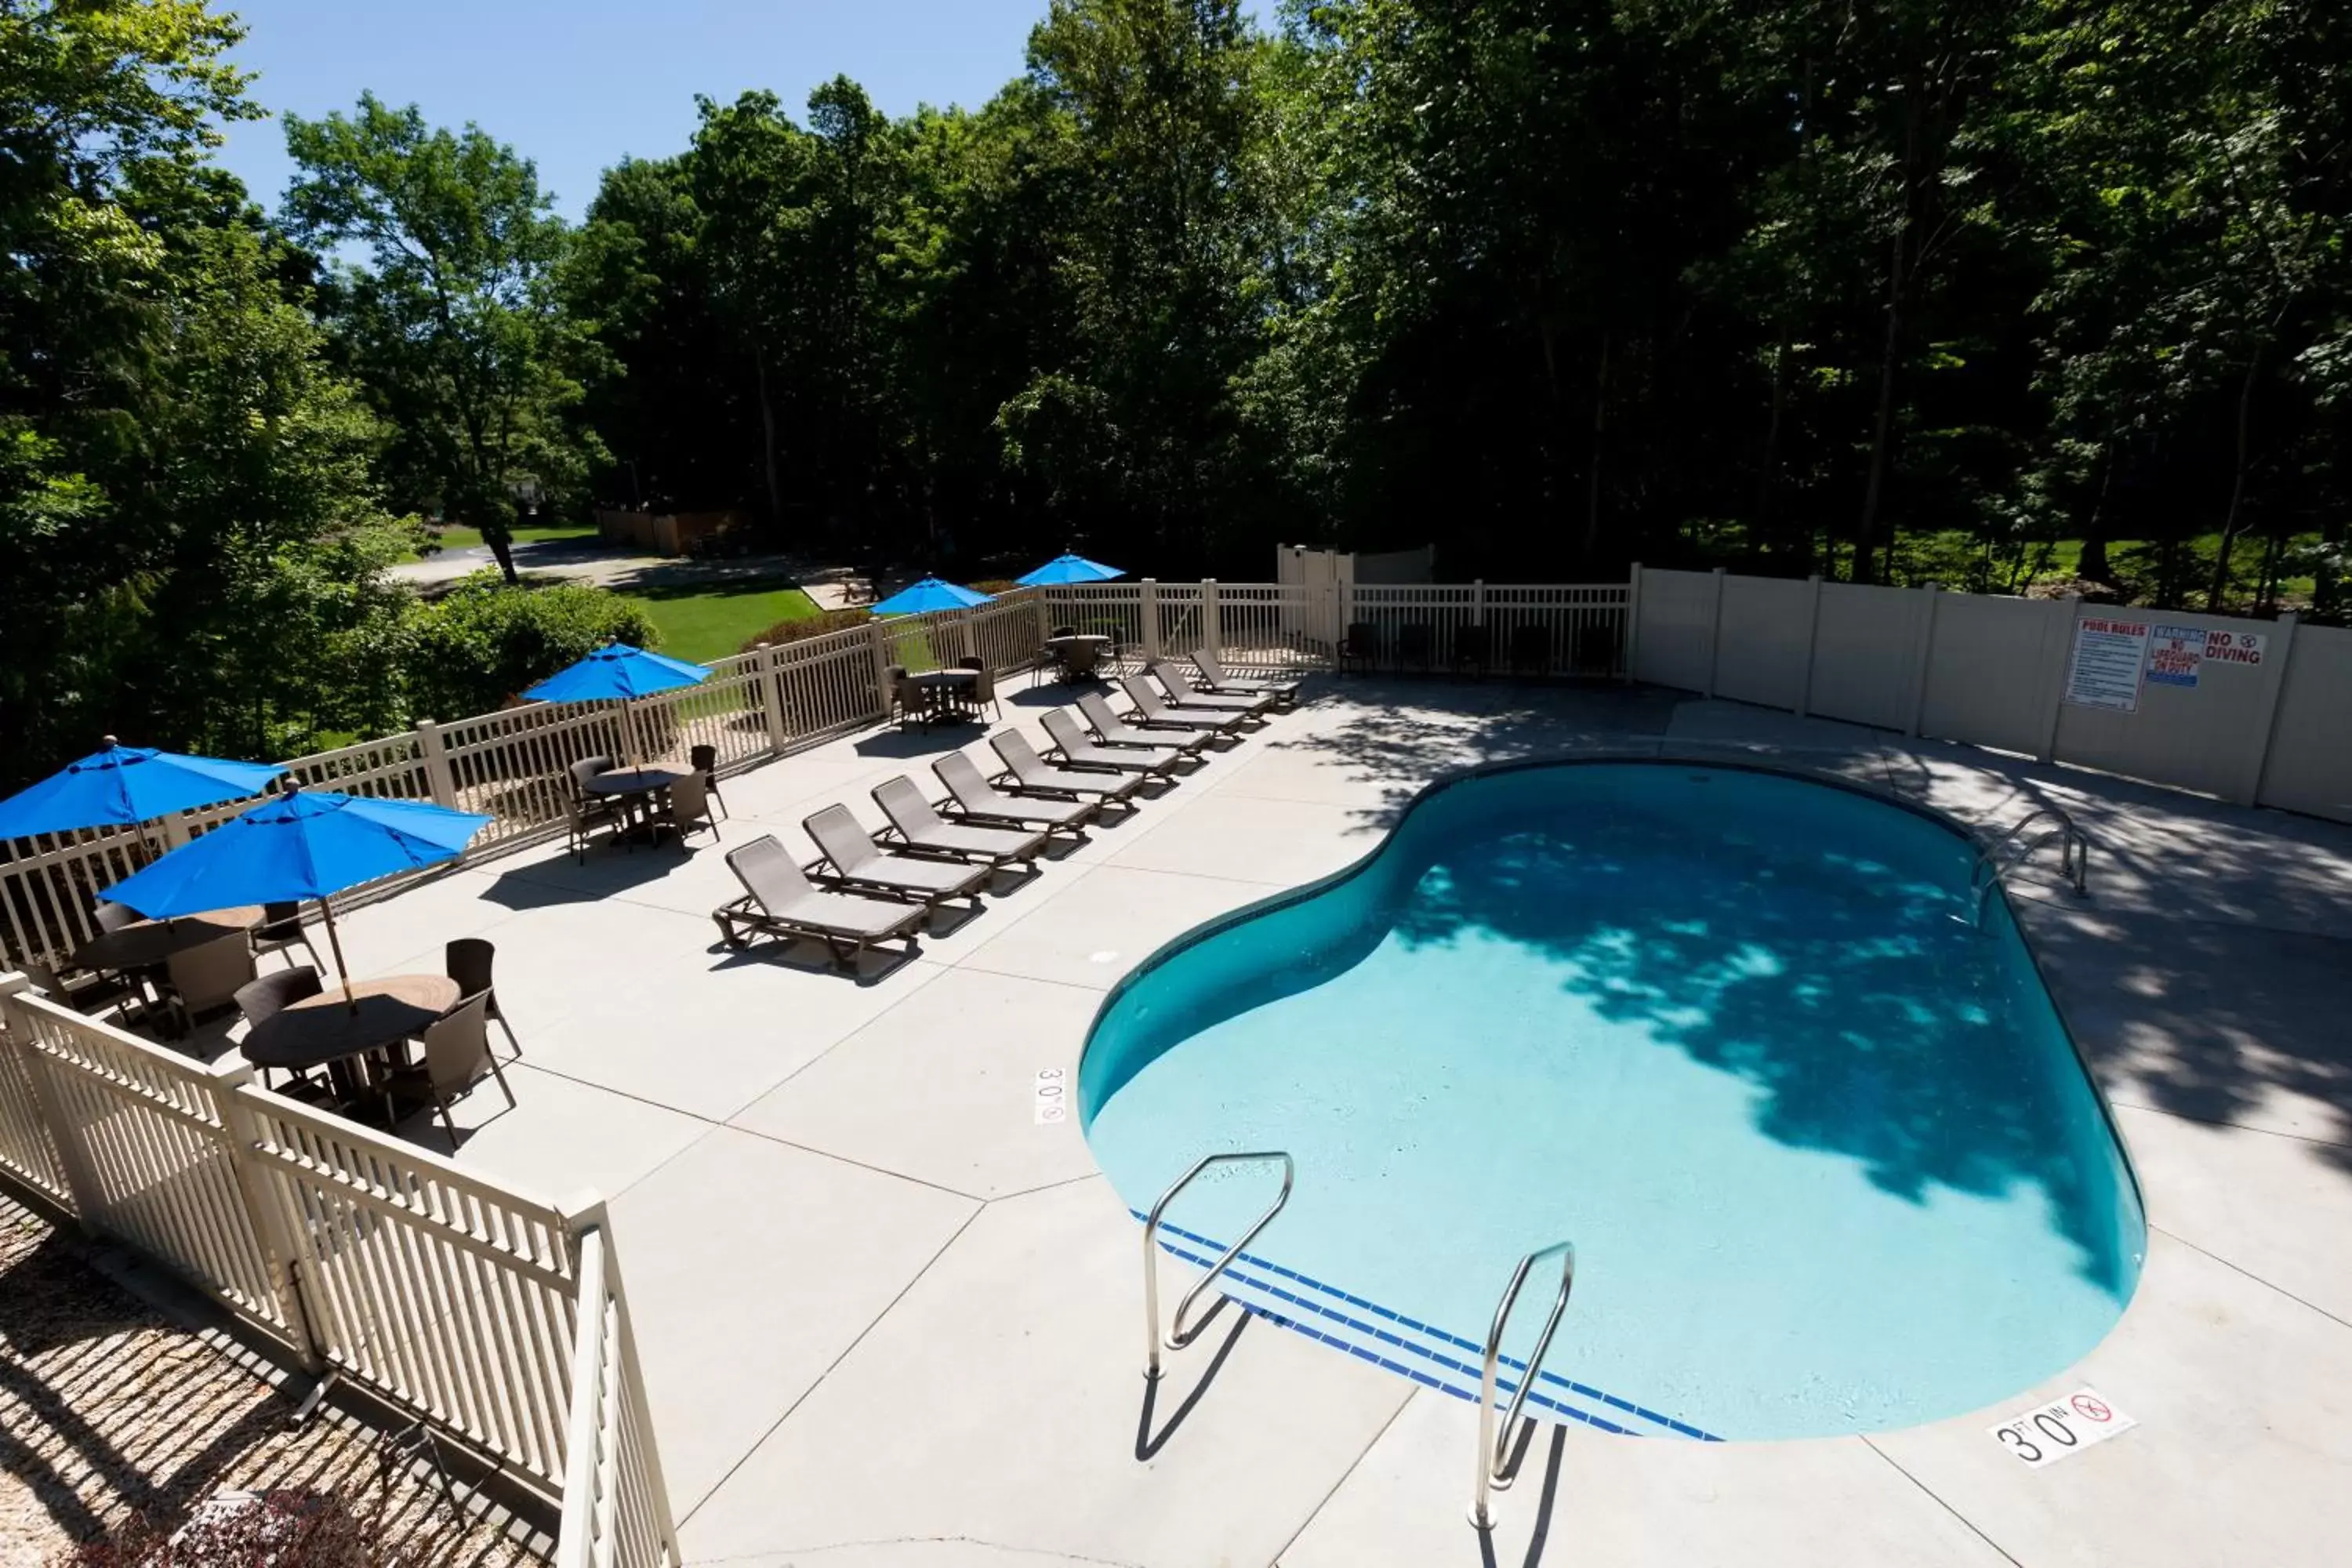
(2048, 1433)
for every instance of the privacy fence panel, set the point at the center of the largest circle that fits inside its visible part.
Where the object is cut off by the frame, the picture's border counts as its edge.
(2310, 764)
(1994, 676)
(1766, 637)
(1866, 654)
(2206, 736)
(1676, 629)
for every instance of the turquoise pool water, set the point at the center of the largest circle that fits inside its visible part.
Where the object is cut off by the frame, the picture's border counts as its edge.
(1828, 1157)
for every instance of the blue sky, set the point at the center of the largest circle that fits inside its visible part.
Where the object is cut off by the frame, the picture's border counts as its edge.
(574, 85)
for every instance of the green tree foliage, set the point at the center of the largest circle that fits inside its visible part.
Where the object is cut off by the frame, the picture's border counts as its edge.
(480, 646)
(454, 325)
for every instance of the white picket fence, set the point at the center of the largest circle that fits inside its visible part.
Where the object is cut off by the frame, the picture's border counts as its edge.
(458, 1301)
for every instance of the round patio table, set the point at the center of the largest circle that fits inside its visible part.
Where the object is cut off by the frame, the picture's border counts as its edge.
(1078, 653)
(943, 692)
(636, 789)
(146, 944)
(324, 1028)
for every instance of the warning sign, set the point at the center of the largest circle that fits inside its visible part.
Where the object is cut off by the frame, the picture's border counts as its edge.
(2235, 648)
(2174, 654)
(2048, 1433)
(2108, 658)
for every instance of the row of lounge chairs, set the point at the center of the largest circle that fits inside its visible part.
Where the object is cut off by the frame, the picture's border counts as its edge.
(865, 891)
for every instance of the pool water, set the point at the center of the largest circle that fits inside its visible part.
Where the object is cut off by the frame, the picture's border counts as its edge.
(1828, 1157)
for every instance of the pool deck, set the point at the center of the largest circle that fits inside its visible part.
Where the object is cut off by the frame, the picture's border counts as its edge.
(888, 1317)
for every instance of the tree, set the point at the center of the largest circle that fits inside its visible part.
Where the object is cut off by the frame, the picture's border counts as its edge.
(454, 325)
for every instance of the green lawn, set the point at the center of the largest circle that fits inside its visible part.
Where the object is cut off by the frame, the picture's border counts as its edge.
(715, 622)
(458, 538)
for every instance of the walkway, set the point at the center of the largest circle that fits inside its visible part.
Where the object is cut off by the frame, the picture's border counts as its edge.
(888, 1317)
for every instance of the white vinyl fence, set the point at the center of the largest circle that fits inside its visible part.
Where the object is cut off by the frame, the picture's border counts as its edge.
(459, 1302)
(2259, 713)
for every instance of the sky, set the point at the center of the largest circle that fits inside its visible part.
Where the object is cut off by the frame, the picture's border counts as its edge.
(576, 85)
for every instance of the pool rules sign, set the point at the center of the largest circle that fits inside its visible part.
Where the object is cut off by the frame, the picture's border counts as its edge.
(2048, 1433)
(2105, 669)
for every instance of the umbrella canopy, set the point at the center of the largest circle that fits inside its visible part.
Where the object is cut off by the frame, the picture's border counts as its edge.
(301, 845)
(617, 673)
(928, 595)
(121, 786)
(1066, 568)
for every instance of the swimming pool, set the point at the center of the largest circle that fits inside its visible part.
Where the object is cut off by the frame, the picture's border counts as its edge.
(1828, 1156)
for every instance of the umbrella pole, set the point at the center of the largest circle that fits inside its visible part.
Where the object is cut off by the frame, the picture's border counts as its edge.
(335, 946)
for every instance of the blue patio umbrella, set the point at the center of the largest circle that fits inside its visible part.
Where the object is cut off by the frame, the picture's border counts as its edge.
(301, 845)
(927, 597)
(1066, 569)
(617, 673)
(121, 786)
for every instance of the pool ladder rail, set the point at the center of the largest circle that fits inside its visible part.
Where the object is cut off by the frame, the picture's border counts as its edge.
(2013, 846)
(1497, 1466)
(1178, 1335)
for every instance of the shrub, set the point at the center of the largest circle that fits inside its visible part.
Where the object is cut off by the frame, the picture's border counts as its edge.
(269, 1529)
(482, 643)
(784, 632)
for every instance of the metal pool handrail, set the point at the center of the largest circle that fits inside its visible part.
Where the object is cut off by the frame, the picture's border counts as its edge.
(1496, 1468)
(2011, 848)
(1179, 1336)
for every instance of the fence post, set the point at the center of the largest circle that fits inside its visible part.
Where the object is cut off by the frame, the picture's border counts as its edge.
(1812, 642)
(1211, 635)
(1478, 601)
(2266, 706)
(881, 641)
(1045, 616)
(2062, 620)
(1150, 615)
(582, 1217)
(772, 697)
(280, 1255)
(438, 778)
(1633, 618)
(1715, 636)
(73, 1159)
(1926, 652)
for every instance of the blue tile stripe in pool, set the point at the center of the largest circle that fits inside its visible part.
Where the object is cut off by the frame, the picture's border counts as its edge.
(1355, 1334)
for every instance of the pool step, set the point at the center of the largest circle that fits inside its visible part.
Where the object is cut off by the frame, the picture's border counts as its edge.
(1427, 1355)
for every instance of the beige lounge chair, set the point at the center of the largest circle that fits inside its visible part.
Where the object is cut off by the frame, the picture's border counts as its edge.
(852, 860)
(1215, 678)
(1181, 695)
(1154, 711)
(976, 800)
(1074, 748)
(1028, 773)
(1113, 731)
(922, 829)
(778, 901)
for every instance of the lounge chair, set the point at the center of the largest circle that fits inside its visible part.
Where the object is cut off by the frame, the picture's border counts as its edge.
(1113, 731)
(1215, 678)
(977, 801)
(852, 860)
(1182, 694)
(778, 900)
(1078, 752)
(1154, 711)
(1026, 773)
(922, 829)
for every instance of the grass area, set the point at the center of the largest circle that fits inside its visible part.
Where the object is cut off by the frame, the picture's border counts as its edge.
(709, 623)
(460, 538)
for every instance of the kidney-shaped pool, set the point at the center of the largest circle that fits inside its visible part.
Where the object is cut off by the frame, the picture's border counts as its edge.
(1828, 1156)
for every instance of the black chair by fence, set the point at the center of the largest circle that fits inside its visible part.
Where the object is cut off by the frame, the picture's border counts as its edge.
(1531, 649)
(704, 760)
(1360, 651)
(1470, 651)
(1416, 646)
(470, 961)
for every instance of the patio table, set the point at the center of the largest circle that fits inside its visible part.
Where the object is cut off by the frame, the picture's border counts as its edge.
(322, 1029)
(148, 944)
(944, 692)
(1078, 653)
(636, 789)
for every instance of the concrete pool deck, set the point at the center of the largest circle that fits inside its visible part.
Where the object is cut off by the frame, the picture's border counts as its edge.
(887, 1316)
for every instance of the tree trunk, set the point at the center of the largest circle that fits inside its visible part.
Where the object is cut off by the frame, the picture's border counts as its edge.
(768, 449)
(502, 542)
(1866, 531)
(2237, 485)
(1768, 478)
(2093, 567)
(1600, 430)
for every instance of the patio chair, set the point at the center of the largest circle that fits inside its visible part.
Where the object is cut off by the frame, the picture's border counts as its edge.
(1185, 740)
(281, 931)
(1215, 678)
(271, 995)
(1360, 648)
(1531, 649)
(582, 815)
(704, 760)
(983, 690)
(456, 1057)
(1416, 645)
(1028, 773)
(977, 801)
(114, 917)
(1181, 693)
(1154, 712)
(1470, 650)
(86, 991)
(206, 979)
(690, 808)
(1075, 750)
(922, 829)
(850, 858)
(587, 768)
(470, 961)
(778, 901)
(899, 697)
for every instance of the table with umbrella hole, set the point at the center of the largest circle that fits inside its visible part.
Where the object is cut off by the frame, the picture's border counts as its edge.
(150, 944)
(637, 789)
(343, 1029)
(1077, 654)
(943, 693)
